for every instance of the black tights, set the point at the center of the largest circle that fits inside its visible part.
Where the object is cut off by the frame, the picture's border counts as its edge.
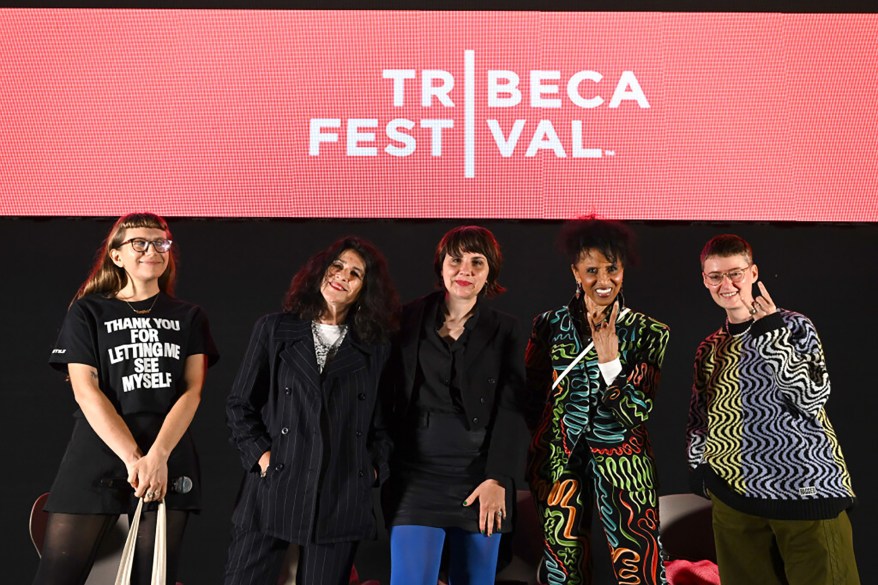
(72, 542)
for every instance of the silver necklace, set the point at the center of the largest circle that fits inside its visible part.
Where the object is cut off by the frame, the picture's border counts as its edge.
(323, 349)
(142, 311)
(740, 333)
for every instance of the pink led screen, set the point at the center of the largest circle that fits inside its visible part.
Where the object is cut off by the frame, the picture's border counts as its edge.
(655, 116)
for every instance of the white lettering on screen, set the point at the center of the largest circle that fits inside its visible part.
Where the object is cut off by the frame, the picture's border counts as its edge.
(543, 90)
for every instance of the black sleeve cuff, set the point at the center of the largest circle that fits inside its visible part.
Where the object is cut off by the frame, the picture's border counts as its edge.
(612, 394)
(697, 482)
(767, 323)
(254, 451)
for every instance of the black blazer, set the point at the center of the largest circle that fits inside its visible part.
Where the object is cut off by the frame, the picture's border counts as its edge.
(493, 382)
(280, 403)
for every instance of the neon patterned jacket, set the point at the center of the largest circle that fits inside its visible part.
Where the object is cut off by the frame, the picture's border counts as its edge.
(758, 435)
(609, 421)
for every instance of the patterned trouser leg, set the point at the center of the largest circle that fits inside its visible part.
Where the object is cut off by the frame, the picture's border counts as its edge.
(566, 530)
(629, 520)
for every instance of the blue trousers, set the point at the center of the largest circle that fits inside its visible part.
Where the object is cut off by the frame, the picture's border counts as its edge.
(416, 553)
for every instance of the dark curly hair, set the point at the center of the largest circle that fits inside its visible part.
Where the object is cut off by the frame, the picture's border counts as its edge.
(375, 314)
(611, 238)
(475, 240)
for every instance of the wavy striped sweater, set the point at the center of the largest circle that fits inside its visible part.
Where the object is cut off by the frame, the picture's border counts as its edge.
(758, 435)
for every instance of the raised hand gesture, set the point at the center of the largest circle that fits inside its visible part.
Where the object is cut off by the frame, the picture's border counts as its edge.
(762, 305)
(603, 329)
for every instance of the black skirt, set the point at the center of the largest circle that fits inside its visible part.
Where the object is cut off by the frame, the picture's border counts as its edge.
(437, 463)
(93, 480)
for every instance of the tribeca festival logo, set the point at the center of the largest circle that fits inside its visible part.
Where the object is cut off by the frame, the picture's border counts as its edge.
(543, 90)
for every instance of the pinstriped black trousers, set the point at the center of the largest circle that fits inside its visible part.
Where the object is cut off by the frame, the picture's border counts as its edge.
(256, 559)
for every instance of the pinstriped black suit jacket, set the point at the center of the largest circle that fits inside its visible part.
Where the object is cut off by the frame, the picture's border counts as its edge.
(319, 429)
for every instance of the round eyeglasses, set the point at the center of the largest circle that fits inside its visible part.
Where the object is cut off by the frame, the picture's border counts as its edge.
(160, 245)
(735, 276)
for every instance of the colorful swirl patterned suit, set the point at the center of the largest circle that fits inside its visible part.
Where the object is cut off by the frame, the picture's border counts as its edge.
(589, 441)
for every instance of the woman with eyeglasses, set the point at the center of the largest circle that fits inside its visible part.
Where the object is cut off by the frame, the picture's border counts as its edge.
(304, 414)
(460, 440)
(593, 366)
(136, 358)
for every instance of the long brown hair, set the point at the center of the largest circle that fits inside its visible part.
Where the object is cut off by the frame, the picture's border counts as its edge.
(108, 279)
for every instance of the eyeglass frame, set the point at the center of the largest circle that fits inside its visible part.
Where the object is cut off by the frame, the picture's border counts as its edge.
(726, 274)
(147, 245)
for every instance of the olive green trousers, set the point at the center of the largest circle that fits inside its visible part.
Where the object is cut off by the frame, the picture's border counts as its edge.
(752, 550)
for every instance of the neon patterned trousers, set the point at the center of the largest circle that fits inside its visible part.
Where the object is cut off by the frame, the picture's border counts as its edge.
(629, 519)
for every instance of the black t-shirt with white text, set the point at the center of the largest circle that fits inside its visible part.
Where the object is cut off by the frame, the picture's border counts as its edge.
(140, 359)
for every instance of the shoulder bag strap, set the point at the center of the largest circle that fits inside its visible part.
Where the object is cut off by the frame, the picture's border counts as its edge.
(160, 554)
(159, 559)
(126, 562)
(582, 355)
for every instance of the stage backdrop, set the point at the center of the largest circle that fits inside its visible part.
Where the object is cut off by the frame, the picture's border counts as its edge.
(361, 114)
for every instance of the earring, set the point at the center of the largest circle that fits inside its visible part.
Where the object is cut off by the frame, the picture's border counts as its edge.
(579, 290)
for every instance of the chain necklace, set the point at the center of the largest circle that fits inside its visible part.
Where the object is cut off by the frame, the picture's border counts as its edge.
(142, 311)
(324, 349)
(743, 330)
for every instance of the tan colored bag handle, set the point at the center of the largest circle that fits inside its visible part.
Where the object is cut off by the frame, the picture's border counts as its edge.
(159, 558)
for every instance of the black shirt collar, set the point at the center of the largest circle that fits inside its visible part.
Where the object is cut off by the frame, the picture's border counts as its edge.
(439, 314)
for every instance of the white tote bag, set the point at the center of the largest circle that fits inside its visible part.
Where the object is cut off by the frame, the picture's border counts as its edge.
(159, 558)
